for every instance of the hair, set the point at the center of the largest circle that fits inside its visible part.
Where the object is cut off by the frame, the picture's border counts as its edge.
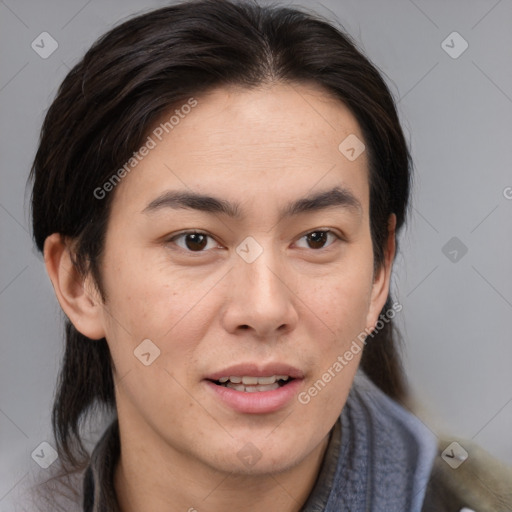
(146, 66)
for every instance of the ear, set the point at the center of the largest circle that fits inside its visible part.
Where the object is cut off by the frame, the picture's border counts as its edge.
(76, 293)
(380, 287)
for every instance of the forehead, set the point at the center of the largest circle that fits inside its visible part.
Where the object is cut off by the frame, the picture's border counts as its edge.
(257, 144)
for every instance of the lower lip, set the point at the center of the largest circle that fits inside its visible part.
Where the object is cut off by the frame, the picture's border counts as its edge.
(260, 402)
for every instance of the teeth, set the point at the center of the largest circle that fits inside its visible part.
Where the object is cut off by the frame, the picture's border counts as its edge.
(250, 384)
(236, 387)
(249, 380)
(253, 381)
(270, 387)
(263, 380)
(252, 388)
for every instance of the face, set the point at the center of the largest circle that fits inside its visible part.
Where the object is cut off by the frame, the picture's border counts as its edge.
(240, 247)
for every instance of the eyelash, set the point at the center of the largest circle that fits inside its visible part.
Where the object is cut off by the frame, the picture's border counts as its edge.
(185, 233)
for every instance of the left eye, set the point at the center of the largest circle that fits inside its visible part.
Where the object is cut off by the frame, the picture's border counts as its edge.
(193, 241)
(318, 239)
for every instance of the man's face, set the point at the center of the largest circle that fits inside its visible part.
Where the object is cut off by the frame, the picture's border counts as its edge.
(282, 288)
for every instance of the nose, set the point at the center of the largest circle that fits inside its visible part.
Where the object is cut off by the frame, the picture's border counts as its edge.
(260, 298)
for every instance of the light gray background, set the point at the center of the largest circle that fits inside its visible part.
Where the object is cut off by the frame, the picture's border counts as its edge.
(457, 115)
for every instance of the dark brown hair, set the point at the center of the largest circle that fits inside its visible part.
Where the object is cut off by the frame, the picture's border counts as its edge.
(123, 85)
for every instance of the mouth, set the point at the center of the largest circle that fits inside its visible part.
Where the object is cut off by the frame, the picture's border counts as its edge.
(253, 389)
(251, 384)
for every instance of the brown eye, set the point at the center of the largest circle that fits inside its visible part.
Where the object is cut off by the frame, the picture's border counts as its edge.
(193, 241)
(319, 239)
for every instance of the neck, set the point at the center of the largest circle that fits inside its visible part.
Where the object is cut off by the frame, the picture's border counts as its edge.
(165, 480)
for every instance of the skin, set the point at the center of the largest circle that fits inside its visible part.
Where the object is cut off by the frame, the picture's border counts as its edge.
(298, 303)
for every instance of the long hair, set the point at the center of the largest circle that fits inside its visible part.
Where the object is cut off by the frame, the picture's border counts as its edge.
(147, 65)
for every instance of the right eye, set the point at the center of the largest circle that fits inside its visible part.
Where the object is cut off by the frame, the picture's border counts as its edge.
(192, 241)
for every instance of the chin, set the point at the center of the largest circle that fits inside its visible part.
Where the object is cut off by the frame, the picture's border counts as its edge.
(259, 457)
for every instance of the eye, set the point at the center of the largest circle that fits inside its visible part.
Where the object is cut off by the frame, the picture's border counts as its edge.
(318, 239)
(194, 241)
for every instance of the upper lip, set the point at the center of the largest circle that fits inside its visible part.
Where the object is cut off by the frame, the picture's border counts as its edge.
(255, 370)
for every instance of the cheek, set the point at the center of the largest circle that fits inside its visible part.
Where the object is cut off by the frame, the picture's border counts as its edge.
(148, 303)
(150, 297)
(342, 300)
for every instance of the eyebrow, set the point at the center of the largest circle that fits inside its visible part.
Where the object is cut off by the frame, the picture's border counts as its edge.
(338, 197)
